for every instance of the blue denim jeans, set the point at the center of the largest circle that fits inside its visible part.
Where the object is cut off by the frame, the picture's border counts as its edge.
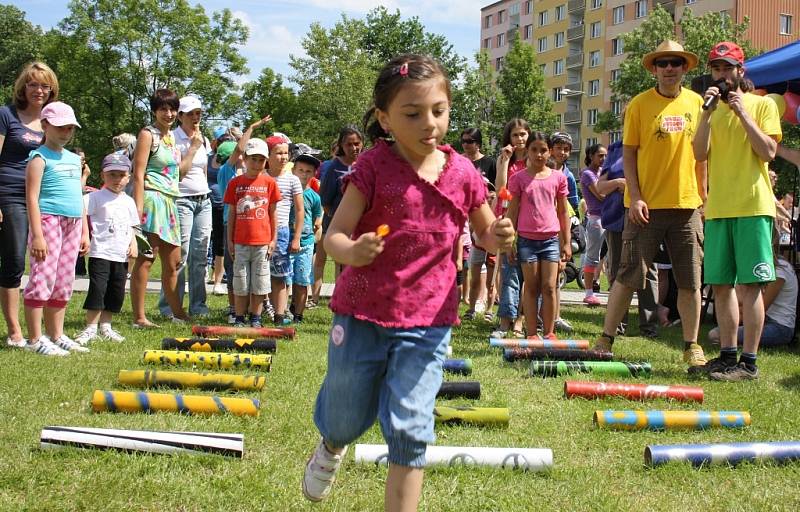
(194, 215)
(279, 261)
(389, 374)
(772, 335)
(510, 286)
(13, 244)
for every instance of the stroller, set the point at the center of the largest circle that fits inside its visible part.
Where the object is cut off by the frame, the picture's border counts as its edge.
(573, 272)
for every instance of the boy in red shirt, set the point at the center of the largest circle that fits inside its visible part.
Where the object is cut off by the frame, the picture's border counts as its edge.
(252, 226)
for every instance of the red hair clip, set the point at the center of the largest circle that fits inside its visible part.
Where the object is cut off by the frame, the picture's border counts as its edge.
(402, 69)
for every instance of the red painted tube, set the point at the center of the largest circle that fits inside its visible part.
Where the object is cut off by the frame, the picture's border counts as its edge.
(211, 331)
(585, 389)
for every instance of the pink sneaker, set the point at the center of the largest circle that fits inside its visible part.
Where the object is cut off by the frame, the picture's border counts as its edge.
(591, 300)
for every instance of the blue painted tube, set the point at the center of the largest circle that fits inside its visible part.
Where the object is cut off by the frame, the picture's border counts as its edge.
(723, 453)
(459, 366)
(535, 343)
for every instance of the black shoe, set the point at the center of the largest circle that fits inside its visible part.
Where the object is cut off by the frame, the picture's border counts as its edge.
(298, 319)
(712, 366)
(736, 373)
(596, 287)
(649, 333)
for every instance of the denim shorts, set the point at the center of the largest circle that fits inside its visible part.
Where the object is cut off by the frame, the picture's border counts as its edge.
(392, 374)
(279, 265)
(531, 251)
(302, 264)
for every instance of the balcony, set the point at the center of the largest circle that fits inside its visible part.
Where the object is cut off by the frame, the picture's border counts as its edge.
(573, 86)
(576, 32)
(575, 60)
(576, 6)
(573, 117)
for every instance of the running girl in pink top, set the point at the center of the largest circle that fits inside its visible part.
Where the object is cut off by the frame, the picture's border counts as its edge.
(396, 300)
(539, 212)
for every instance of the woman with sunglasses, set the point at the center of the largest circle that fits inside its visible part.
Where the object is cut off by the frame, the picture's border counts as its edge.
(20, 133)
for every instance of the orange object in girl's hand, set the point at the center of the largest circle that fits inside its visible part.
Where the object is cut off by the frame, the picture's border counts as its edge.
(382, 230)
(504, 194)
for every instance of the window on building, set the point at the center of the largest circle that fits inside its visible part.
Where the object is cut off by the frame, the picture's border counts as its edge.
(596, 4)
(594, 59)
(556, 94)
(616, 107)
(615, 74)
(513, 10)
(786, 24)
(561, 12)
(527, 8)
(595, 30)
(614, 136)
(501, 17)
(618, 14)
(594, 87)
(559, 39)
(487, 43)
(591, 117)
(543, 69)
(498, 63)
(558, 67)
(501, 40)
(591, 141)
(528, 32)
(542, 18)
(641, 8)
(487, 21)
(690, 2)
(542, 44)
(617, 46)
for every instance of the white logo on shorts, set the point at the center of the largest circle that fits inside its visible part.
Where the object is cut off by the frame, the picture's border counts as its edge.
(763, 271)
(337, 335)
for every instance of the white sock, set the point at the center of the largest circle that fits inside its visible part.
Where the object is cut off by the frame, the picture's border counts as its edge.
(105, 326)
(91, 327)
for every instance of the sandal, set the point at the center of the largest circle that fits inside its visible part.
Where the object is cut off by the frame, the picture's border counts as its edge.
(488, 316)
(147, 324)
(518, 333)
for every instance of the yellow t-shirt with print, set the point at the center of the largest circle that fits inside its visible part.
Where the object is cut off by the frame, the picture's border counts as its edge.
(738, 180)
(663, 129)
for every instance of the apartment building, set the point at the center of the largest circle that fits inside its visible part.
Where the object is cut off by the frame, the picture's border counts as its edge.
(579, 45)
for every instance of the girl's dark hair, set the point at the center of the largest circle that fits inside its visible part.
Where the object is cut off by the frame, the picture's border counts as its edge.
(475, 134)
(164, 97)
(534, 136)
(590, 152)
(345, 132)
(506, 139)
(396, 73)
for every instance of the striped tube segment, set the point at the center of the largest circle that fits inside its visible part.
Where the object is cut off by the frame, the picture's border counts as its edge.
(458, 366)
(460, 389)
(139, 401)
(219, 344)
(213, 331)
(208, 359)
(617, 368)
(557, 354)
(528, 459)
(536, 343)
(231, 445)
(722, 453)
(669, 420)
(585, 389)
(207, 381)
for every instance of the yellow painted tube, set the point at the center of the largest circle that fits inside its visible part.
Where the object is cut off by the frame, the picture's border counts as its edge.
(498, 416)
(129, 401)
(666, 420)
(211, 381)
(208, 359)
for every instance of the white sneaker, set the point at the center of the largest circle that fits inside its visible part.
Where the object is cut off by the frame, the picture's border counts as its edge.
(46, 347)
(110, 334)
(498, 334)
(320, 472)
(64, 342)
(87, 335)
(23, 343)
(219, 289)
(480, 306)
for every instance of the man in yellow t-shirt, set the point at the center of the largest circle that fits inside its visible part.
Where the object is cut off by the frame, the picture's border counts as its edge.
(738, 135)
(664, 189)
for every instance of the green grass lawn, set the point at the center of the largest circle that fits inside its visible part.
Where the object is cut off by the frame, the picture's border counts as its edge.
(594, 469)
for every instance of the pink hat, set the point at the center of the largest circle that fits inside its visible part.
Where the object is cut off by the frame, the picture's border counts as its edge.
(59, 114)
(276, 139)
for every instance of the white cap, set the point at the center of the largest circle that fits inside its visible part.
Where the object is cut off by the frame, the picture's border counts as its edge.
(256, 147)
(189, 103)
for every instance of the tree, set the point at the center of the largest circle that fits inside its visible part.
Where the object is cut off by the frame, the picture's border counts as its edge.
(700, 33)
(20, 44)
(476, 100)
(111, 55)
(521, 83)
(268, 95)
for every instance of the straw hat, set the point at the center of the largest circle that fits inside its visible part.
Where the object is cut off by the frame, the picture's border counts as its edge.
(670, 48)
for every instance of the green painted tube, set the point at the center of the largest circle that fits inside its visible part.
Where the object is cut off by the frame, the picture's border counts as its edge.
(210, 381)
(495, 416)
(616, 368)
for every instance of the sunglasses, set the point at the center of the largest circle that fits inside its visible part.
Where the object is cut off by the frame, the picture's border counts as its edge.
(468, 141)
(675, 63)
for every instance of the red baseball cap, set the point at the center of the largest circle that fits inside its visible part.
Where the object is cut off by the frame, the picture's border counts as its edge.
(729, 52)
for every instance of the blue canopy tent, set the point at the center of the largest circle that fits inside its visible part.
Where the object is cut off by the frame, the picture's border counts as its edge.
(772, 70)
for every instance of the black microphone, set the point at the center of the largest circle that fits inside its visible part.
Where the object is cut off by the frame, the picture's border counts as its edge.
(723, 87)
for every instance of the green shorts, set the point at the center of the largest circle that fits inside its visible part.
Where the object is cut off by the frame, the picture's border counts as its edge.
(739, 250)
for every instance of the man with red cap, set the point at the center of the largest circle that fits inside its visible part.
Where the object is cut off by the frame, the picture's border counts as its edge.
(738, 134)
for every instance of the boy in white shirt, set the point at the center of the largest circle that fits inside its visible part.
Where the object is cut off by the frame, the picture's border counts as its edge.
(112, 217)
